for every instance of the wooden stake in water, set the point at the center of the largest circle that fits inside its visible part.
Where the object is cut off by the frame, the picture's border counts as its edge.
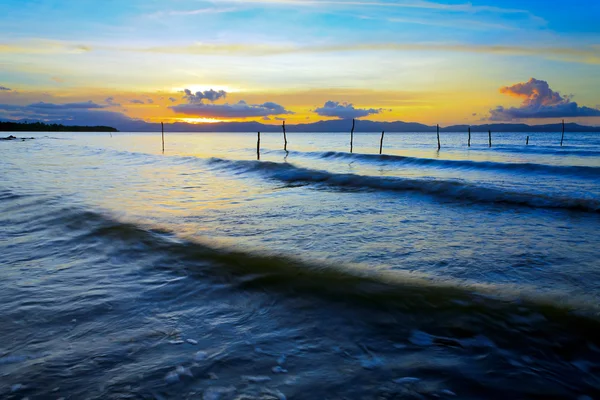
(490, 137)
(352, 136)
(162, 128)
(438, 137)
(258, 147)
(527, 141)
(284, 137)
(381, 142)
(563, 133)
(469, 143)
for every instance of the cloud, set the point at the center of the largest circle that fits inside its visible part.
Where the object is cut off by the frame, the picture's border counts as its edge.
(68, 106)
(87, 113)
(210, 95)
(577, 53)
(111, 102)
(149, 101)
(51, 108)
(172, 99)
(43, 46)
(136, 101)
(539, 101)
(266, 118)
(344, 110)
(197, 11)
(586, 55)
(418, 4)
(4, 88)
(58, 79)
(237, 110)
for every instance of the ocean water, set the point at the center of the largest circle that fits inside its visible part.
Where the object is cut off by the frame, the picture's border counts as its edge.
(313, 274)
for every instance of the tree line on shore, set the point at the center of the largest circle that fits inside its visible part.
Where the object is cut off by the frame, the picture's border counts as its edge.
(6, 126)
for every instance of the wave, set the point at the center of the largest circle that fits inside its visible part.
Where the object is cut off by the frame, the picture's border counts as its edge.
(7, 194)
(579, 171)
(161, 249)
(548, 150)
(413, 319)
(289, 173)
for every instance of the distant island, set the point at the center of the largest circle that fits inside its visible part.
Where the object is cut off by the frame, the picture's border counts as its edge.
(42, 127)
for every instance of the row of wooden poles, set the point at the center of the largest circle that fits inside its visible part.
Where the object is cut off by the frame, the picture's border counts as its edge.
(439, 144)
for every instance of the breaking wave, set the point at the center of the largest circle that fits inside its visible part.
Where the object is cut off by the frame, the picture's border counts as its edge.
(289, 173)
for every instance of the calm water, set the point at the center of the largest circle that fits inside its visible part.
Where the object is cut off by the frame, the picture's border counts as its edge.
(317, 274)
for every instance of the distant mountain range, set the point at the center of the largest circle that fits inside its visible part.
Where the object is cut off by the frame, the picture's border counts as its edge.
(340, 126)
(361, 126)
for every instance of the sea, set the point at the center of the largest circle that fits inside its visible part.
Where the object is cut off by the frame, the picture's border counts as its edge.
(209, 271)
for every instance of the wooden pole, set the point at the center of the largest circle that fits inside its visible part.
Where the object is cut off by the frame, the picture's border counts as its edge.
(258, 147)
(490, 137)
(381, 142)
(469, 144)
(162, 128)
(438, 137)
(352, 136)
(527, 141)
(563, 133)
(284, 137)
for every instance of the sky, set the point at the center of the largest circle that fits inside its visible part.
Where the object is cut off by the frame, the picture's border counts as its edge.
(445, 61)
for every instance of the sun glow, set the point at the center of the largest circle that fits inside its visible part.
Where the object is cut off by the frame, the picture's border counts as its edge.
(200, 120)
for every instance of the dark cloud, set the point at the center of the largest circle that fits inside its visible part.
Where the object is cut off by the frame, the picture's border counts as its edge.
(344, 110)
(4, 88)
(539, 101)
(87, 113)
(11, 107)
(172, 99)
(210, 95)
(150, 101)
(90, 113)
(136, 101)
(111, 102)
(237, 110)
(88, 105)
